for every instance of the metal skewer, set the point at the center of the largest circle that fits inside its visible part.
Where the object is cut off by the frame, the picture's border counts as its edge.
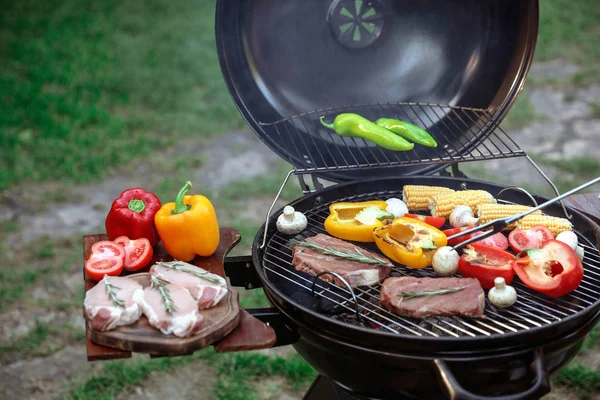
(499, 224)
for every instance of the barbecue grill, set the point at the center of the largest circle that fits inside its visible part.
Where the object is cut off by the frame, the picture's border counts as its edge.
(452, 68)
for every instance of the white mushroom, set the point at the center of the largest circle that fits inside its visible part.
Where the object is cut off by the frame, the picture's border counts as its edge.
(445, 261)
(502, 295)
(396, 206)
(580, 252)
(462, 216)
(291, 221)
(568, 237)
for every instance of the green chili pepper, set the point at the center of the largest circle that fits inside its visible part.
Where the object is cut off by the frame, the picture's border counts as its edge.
(356, 126)
(407, 131)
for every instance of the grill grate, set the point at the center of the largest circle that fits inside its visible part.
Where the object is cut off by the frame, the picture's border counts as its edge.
(530, 311)
(463, 134)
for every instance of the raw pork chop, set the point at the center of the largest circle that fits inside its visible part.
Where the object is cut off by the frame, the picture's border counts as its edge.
(356, 273)
(106, 314)
(468, 302)
(208, 289)
(183, 321)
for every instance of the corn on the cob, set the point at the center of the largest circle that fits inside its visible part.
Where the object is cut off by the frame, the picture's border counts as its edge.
(416, 197)
(441, 205)
(555, 224)
(491, 212)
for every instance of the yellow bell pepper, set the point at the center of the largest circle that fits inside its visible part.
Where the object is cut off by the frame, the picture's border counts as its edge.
(409, 241)
(342, 224)
(189, 226)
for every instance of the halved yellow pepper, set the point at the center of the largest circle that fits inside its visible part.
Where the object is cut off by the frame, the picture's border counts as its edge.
(409, 241)
(341, 223)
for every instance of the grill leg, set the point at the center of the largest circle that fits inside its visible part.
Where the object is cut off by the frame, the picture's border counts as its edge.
(324, 388)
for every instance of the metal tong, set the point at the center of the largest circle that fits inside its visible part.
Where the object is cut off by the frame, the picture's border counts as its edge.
(499, 224)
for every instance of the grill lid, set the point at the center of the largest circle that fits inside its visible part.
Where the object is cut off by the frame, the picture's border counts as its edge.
(452, 68)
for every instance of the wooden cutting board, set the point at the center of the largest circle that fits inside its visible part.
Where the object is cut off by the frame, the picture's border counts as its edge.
(140, 337)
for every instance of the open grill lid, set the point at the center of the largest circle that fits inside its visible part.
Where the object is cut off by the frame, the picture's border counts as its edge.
(452, 68)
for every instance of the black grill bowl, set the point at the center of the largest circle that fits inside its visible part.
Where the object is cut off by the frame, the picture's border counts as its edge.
(381, 364)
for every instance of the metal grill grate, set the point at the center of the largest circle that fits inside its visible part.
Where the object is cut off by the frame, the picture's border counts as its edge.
(463, 134)
(531, 309)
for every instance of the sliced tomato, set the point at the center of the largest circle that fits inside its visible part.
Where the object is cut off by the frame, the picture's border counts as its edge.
(138, 252)
(527, 239)
(437, 222)
(553, 270)
(454, 231)
(106, 258)
(486, 263)
(497, 240)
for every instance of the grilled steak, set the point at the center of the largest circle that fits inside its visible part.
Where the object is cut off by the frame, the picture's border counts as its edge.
(104, 313)
(208, 289)
(183, 322)
(468, 302)
(356, 273)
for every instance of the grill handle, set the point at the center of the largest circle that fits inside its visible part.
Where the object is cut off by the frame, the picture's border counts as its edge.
(454, 391)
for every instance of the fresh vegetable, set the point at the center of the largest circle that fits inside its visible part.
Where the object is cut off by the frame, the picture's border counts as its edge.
(342, 222)
(462, 216)
(396, 207)
(138, 252)
(132, 215)
(532, 238)
(291, 221)
(189, 226)
(492, 212)
(441, 205)
(417, 197)
(371, 214)
(486, 263)
(436, 222)
(409, 241)
(554, 224)
(453, 231)
(501, 295)
(580, 252)
(357, 255)
(568, 237)
(106, 258)
(354, 125)
(408, 131)
(445, 261)
(497, 240)
(553, 270)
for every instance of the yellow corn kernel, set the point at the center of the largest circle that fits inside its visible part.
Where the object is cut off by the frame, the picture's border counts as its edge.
(441, 205)
(555, 224)
(491, 212)
(416, 197)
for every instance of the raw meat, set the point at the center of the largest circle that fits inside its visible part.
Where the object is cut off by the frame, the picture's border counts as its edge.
(356, 273)
(468, 302)
(184, 321)
(208, 289)
(104, 313)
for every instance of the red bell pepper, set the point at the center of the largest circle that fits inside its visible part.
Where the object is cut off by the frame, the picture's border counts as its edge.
(132, 215)
(486, 263)
(553, 270)
(437, 222)
(454, 231)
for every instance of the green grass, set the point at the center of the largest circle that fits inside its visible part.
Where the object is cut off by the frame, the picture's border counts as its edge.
(237, 373)
(33, 342)
(521, 113)
(582, 380)
(87, 86)
(592, 339)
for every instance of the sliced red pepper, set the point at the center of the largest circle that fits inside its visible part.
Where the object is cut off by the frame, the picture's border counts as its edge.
(437, 222)
(486, 263)
(454, 231)
(132, 215)
(553, 270)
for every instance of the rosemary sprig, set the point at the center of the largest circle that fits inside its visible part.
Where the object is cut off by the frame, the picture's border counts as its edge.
(181, 268)
(358, 256)
(165, 293)
(411, 295)
(112, 294)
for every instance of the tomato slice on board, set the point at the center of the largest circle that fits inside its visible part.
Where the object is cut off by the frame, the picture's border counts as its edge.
(437, 222)
(138, 252)
(553, 270)
(497, 240)
(486, 263)
(106, 258)
(527, 239)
